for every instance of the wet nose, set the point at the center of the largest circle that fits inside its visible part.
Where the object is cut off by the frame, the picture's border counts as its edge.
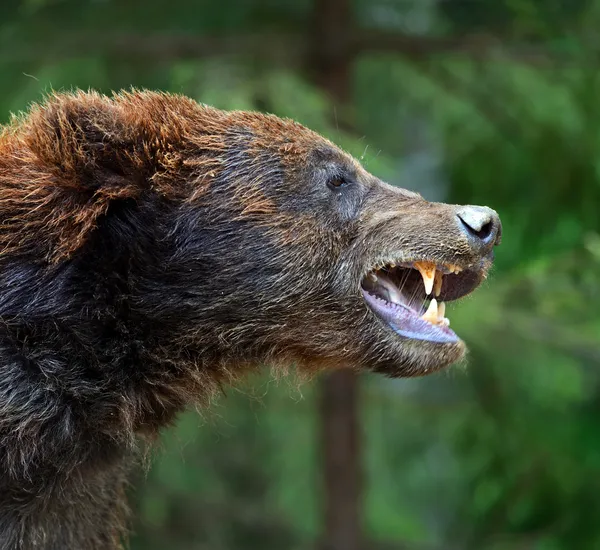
(481, 225)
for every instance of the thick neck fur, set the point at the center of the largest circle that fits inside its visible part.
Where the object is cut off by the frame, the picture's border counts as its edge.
(114, 310)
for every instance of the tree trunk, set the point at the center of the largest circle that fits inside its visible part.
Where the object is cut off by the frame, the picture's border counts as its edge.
(341, 461)
(331, 65)
(332, 52)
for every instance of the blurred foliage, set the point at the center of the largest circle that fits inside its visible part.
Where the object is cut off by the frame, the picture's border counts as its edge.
(500, 454)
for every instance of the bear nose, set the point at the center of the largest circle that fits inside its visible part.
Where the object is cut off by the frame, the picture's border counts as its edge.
(481, 225)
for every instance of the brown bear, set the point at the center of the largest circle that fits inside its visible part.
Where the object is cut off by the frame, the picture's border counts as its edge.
(152, 249)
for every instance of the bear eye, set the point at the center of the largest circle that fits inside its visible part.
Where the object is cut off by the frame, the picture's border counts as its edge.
(337, 182)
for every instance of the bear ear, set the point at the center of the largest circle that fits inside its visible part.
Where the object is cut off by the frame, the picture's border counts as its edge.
(65, 162)
(61, 167)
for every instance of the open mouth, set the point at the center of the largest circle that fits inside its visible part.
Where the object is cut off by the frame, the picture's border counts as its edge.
(411, 297)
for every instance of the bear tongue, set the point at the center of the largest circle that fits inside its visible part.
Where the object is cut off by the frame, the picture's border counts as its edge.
(389, 289)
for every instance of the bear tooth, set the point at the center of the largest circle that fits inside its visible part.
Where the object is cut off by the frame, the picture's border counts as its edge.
(431, 315)
(437, 284)
(441, 310)
(427, 270)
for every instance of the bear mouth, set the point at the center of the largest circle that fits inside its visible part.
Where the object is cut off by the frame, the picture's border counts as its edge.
(411, 297)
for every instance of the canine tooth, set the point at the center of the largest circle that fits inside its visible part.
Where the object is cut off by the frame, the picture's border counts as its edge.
(437, 284)
(427, 270)
(441, 310)
(431, 315)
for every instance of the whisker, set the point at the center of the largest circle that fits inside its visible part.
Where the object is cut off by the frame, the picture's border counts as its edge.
(404, 280)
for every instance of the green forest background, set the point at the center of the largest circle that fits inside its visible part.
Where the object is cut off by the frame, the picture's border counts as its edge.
(468, 101)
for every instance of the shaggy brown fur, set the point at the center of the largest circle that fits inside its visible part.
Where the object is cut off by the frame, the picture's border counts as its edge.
(152, 249)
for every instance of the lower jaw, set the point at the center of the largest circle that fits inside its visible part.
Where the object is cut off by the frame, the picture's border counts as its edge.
(421, 347)
(420, 358)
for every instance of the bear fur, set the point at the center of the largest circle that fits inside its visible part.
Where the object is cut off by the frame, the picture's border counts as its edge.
(153, 249)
